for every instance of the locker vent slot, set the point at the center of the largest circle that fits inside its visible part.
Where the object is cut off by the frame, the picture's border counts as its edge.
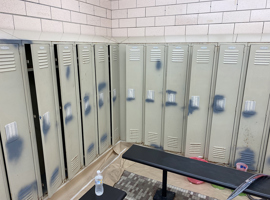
(74, 163)
(219, 152)
(230, 57)
(101, 55)
(86, 56)
(56, 182)
(203, 56)
(172, 142)
(29, 196)
(91, 154)
(43, 59)
(262, 57)
(247, 158)
(178, 55)
(155, 55)
(134, 54)
(134, 134)
(152, 138)
(66, 57)
(7, 62)
(115, 55)
(195, 148)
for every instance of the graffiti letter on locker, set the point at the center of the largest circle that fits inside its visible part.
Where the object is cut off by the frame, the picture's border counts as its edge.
(68, 110)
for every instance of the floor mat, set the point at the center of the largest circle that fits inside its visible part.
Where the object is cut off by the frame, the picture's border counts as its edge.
(140, 187)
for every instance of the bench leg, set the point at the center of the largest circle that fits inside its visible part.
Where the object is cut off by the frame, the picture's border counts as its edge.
(163, 194)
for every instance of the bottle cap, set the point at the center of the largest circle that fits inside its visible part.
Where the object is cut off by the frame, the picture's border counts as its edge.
(98, 171)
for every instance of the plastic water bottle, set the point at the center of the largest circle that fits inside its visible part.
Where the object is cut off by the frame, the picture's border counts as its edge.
(99, 184)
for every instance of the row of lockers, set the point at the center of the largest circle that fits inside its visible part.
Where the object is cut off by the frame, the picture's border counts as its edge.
(204, 100)
(59, 109)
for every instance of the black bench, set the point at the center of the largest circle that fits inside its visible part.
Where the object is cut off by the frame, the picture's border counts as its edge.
(215, 174)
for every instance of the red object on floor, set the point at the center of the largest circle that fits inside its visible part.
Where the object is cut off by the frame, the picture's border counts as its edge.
(192, 180)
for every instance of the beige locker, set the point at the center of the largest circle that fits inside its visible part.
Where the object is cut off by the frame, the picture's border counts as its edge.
(15, 126)
(202, 72)
(154, 76)
(134, 92)
(103, 97)
(175, 101)
(229, 78)
(88, 101)
(4, 192)
(254, 126)
(115, 92)
(70, 107)
(47, 100)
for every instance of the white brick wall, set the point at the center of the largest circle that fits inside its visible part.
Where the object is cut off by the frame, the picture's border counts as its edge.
(92, 17)
(190, 17)
(122, 18)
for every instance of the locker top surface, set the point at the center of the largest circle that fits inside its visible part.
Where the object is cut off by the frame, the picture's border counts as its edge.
(215, 174)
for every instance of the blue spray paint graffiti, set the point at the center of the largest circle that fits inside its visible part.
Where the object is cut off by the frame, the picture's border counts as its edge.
(247, 156)
(67, 72)
(90, 148)
(157, 146)
(114, 98)
(158, 65)
(248, 114)
(268, 161)
(104, 137)
(45, 125)
(171, 104)
(130, 99)
(27, 190)
(69, 115)
(54, 176)
(87, 107)
(149, 100)
(191, 108)
(100, 103)
(14, 149)
(101, 86)
(216, 107)
(171, 92)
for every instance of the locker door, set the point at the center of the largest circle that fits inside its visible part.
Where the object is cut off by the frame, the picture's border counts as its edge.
(177, 61)
(199, 97)
(266, 167)
(115, 88)
(155, 63)
(71, 113)
(230, 66)
(47, 105)
(88, 97)
(253, 129)
(4, 193)
(103, 99)
(14, 123)
(134, 92)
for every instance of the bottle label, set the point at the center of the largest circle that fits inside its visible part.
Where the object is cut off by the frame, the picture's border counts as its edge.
(98, 182)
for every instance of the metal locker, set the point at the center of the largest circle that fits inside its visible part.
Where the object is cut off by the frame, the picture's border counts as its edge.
(4, 193)
(15, 128)
(266, 162)
(254, 127)
(175, 101)
(134, 92)
(202, 71)
(155, 63)
(229, 76)
(103, 98)
(70, 108)
(88, 101)
(115, 89)
(47, 99)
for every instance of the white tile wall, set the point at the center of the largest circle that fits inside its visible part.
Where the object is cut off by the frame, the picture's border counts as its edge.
(121, 18)
(6, 21)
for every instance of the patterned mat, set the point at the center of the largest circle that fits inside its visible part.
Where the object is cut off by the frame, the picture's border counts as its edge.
(140, 187)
